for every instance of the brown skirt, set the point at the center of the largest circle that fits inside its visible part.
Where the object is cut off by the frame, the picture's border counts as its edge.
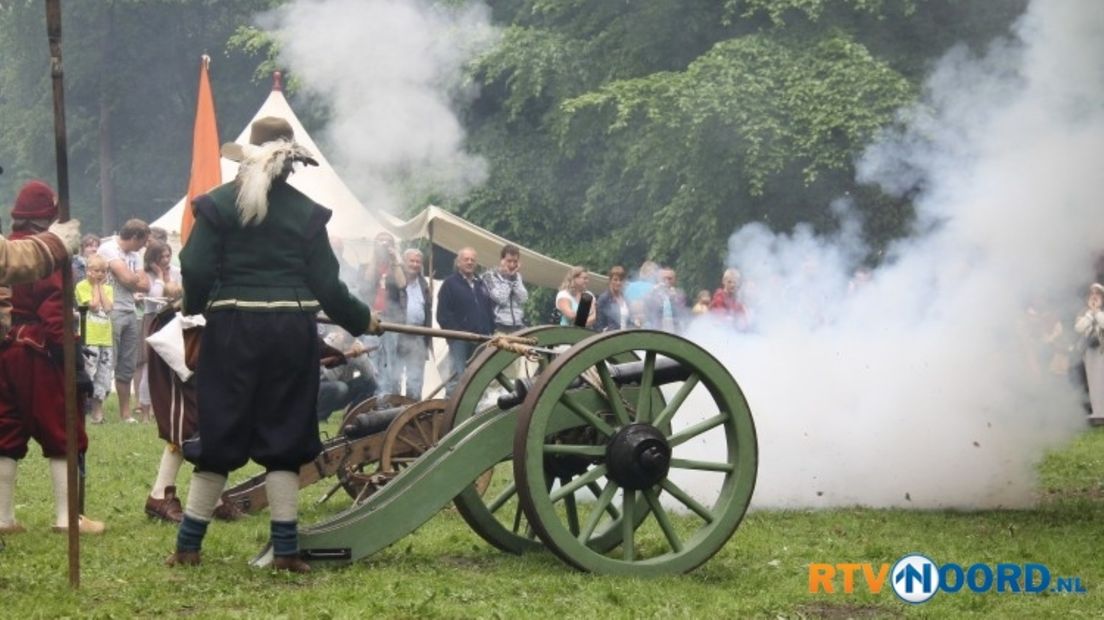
(173, 400)
(144, 352)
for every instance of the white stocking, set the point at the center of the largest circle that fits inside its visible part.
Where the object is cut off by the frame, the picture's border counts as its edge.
(8, 469)
(282, 488)
(203, 494)
(171, 461)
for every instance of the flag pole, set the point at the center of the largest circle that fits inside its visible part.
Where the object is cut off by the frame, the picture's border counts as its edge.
(206, 171)
(53, 31)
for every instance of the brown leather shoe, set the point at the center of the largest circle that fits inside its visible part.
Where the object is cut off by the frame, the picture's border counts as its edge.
(84, 526)
(183, 558)
(290, 563)
(228, 511)
(12, 528)
(167, 509)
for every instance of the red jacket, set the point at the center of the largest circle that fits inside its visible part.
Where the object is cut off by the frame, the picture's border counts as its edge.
(726, 305)
(37, 308)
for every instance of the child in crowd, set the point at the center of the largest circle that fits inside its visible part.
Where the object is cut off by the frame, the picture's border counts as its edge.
(701, 306)
(97, 294)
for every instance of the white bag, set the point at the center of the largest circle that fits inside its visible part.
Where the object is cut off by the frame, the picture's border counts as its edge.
(168, 343)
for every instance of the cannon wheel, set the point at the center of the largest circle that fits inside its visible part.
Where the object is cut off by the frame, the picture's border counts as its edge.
(412, 434)
(635, 456)
(498, 519)
(352, 476)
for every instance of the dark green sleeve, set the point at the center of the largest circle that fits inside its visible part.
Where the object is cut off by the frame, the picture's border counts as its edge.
(322, 277)
(199, 264)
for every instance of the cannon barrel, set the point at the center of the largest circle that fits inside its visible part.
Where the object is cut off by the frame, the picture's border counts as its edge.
(667, 371)
(370, 423)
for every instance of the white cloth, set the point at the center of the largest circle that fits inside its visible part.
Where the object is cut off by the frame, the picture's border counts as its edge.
(168, 342)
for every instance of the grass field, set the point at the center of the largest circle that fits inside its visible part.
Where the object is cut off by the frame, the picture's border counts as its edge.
(445, 570)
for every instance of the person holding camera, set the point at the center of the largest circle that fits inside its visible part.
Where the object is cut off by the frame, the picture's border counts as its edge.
(507, 291)
(1090, 325)
(384, 281)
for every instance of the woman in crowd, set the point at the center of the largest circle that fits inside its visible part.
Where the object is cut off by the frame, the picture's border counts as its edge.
(612, 307)
(726, 302)
(571, 291)
(1090, 326)
(164, 288)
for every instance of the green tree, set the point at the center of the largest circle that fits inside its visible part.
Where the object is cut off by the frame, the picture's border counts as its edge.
(131, 68)
(623, 131)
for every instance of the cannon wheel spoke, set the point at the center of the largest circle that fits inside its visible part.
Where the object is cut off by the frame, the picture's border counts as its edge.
(613, 394)
(663, 520)
(603, 505)
(673, 405)
(586, 415)
(644, 399)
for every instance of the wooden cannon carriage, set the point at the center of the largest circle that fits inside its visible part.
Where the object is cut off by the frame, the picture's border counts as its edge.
(585, 457)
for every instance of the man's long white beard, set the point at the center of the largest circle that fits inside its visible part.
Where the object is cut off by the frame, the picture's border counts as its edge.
(261, 166)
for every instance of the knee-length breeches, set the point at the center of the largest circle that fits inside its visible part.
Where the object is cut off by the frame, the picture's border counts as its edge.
(32, 404)
(257, 385)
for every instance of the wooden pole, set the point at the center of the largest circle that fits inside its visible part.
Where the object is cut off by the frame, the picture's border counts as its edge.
(429, 265)
(53, 32)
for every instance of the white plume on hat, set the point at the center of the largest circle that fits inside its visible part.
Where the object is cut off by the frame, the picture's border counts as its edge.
(260, 167)
(270, 154)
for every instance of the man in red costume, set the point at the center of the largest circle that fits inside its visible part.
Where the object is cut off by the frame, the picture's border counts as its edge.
(32, 394)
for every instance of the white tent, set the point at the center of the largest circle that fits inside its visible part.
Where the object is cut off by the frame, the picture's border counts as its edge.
(320, 182)
(352, 220)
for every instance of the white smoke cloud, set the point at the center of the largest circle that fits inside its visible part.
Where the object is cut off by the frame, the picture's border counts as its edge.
(915, 390)
(390, 72)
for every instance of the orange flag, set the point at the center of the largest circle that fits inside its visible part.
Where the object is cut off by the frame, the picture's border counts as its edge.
(206, 170)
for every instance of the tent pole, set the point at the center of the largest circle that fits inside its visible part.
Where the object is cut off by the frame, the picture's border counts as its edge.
(430, 261)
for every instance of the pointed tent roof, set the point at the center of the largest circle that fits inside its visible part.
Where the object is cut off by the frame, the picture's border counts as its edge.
(320, 182)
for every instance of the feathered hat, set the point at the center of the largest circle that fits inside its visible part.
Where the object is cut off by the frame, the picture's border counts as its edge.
(270, 154)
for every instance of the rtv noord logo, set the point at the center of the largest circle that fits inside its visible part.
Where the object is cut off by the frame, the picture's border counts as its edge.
(916, 578)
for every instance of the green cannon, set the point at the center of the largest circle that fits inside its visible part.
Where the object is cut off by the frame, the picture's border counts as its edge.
(587, 465)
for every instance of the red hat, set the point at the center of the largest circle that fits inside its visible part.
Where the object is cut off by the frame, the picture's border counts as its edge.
(36, 201)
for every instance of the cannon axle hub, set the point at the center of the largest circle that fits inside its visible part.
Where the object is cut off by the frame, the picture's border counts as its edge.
(638, 456)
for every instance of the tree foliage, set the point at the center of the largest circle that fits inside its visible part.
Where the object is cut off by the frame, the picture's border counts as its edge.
(662, 127)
